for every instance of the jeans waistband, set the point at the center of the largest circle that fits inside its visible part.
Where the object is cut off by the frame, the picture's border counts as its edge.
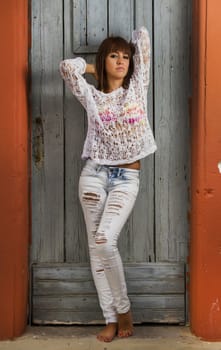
(111, 168)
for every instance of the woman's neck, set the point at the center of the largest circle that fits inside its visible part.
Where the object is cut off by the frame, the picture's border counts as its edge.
(114, 84)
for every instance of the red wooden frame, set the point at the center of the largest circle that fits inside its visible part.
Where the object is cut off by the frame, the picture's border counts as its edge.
(14, 200)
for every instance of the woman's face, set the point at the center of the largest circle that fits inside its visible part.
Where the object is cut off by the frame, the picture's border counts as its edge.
(116, 65)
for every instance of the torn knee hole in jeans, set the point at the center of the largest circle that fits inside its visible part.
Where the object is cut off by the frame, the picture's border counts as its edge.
(114, 208)
(117, 202)
(113, 205)
(91, 197)
(101, 240)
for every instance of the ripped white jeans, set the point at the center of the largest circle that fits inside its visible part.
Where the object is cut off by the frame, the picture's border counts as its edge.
(107, 195)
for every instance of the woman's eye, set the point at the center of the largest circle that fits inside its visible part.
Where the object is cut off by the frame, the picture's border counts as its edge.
(113, 55)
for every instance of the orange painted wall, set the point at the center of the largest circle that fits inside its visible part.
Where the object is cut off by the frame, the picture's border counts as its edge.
(14, 209)
(205, 253)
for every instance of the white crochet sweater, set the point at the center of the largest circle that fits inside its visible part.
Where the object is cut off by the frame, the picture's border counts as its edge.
(118, 127)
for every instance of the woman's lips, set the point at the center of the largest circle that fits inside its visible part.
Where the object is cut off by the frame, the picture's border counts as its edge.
(120, 69)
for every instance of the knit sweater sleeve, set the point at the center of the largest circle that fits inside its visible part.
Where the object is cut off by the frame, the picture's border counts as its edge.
(141, 40)
(72, 71)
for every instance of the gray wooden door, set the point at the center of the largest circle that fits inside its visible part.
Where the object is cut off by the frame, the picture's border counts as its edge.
(154, 241)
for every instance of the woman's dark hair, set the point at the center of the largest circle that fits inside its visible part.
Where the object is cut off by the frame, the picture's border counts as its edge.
(113, 44)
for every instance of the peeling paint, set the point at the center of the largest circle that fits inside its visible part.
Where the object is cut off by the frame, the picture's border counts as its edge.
(215, 308)
(208, 192)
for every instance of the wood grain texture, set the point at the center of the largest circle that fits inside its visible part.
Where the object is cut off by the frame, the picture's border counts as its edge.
(47, 136)
(55, 317)
(143, 243)
(124, 24)
(67, 290)
(75, 132)
(96, 13)
(171, 91)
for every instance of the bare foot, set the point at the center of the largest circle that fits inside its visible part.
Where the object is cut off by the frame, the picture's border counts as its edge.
(108, 333)
(125, 325)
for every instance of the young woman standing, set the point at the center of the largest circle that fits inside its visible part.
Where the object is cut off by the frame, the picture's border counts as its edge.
(118, 136)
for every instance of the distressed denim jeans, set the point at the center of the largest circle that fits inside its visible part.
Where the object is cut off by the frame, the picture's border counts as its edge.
(107, 195)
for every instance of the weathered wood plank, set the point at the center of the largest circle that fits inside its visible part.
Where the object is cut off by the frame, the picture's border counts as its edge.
(69, 288)
(82, 272)
(85, 309)
(75, 131)
(171, 89)
(124, 25)
(141, 279)
(62, 317)
(96, 13)
(87, 287)
(90, 302)
(55, 317)
(87, 35)
(77, 23)
(142, 224)
(47, 136)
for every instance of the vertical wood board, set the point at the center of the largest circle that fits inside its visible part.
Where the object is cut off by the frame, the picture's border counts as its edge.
(47, 136)
(75, 132)
(171, 92)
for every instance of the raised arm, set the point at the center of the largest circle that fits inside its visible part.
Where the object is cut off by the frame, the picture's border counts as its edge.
(72, 71)
(141, 40)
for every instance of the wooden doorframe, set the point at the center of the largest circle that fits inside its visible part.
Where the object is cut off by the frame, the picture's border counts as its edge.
(205, 262)
(205, 317)
(14, 155)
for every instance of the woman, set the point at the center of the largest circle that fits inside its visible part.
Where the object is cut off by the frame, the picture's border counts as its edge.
(119, 135)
